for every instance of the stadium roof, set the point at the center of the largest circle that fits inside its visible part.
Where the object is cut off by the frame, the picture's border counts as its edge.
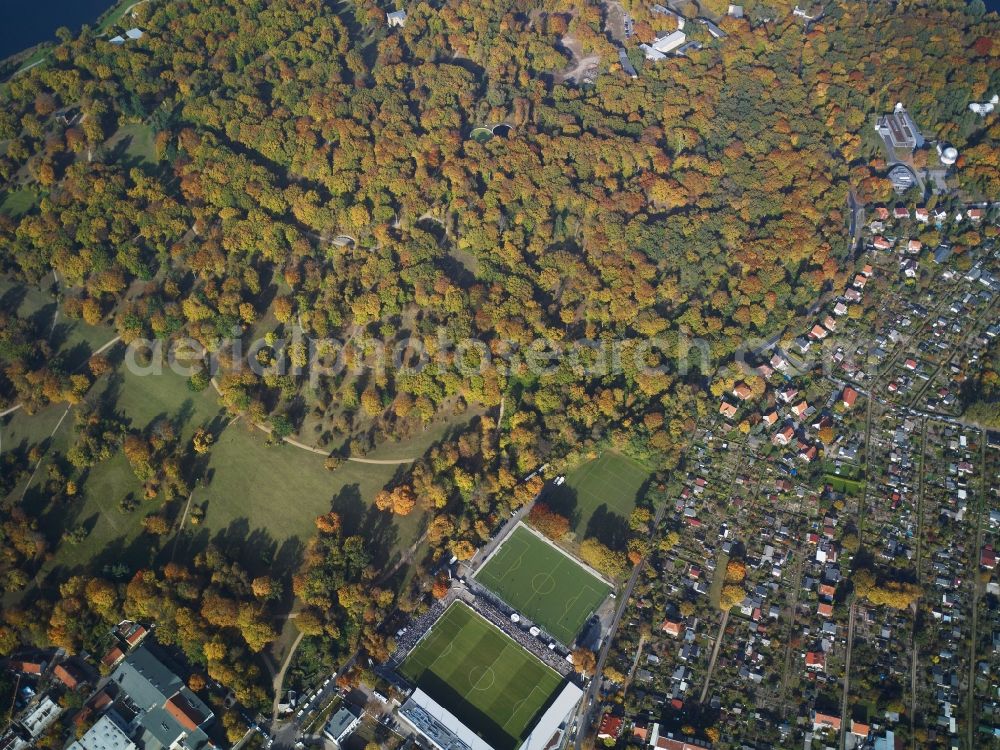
(442, 728)
(554, 715)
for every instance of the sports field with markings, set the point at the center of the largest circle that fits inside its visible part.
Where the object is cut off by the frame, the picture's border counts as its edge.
(480, 675)
(543, 583)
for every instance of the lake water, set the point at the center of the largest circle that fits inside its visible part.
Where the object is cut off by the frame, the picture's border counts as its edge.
(25, 23)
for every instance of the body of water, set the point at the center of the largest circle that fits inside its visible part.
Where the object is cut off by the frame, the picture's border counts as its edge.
(25, 23)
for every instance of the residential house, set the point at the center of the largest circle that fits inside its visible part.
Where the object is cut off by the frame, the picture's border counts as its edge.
(742, 391)
(787, 394)
(674, 628)
(341, 725)
(816, 661)
(26, 667)
(784, 436)
(610, 727)
(848, 397)
(68, 676)
(825, 721)
(113, 656)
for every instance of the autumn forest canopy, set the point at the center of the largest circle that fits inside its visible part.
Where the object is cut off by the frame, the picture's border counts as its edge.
(706, 198)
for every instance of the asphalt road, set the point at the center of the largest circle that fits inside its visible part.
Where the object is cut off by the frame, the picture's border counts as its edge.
(585, 712)
(287, 731)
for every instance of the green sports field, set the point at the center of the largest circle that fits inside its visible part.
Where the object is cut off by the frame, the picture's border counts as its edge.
(544, 583)
(480, 675)
(599, 496)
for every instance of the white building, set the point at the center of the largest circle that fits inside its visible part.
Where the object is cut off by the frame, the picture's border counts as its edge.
(984, 108)
(341, 725)
(663, 46)
(104, 735)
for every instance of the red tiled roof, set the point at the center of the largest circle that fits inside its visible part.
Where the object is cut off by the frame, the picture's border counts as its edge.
(831, 721)
(66, 677)
(673, 628)
(136, 635)
(25, 667)
(183, 712)
(816, 659)
(861, 730)
(112, 657)
(100, 701)
(611, 726)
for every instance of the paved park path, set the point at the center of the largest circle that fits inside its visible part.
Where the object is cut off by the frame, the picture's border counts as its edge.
(319, 451)
(15, 407)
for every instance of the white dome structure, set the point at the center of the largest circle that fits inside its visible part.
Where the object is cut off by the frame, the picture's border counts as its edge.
(949, 155)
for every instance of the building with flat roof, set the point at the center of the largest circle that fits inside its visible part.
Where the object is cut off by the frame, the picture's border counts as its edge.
(899, 130)
(40, 717)
(670, 42)
(626, 63)
(104, 735)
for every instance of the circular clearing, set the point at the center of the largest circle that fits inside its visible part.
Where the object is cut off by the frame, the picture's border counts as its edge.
(543, 583)
(482, 678)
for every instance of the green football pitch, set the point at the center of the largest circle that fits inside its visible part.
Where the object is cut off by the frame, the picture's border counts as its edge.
(599, 496)
(543, 583)
(483, 677)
